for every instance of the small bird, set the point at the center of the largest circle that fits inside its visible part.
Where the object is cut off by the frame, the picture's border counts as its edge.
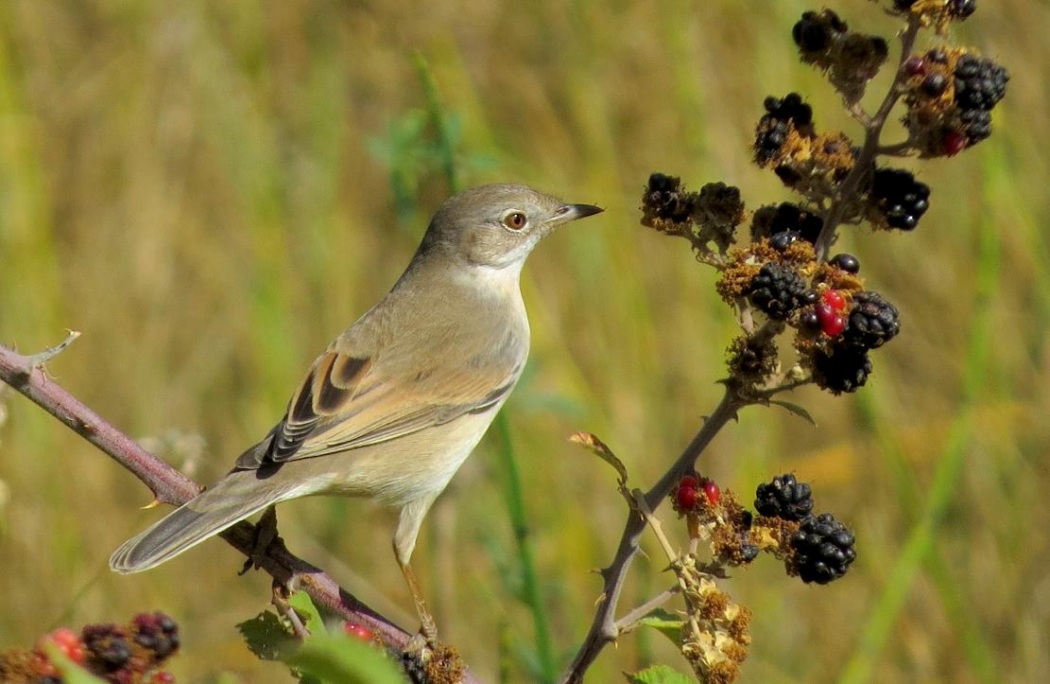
(399, 400)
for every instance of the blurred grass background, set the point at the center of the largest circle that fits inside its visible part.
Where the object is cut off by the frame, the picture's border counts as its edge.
(211, 191)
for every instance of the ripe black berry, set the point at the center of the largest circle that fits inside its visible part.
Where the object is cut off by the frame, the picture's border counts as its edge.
(872, 321)
(901, 199)
(784, 497)
(845, 262)
(934, 84)
(815, 31)
(843, 369)
(665, 199)
(962, 8)
(784, 239)
(979, 83)
(774, 126)
(777, 290)
(824, 549)
(977, 125)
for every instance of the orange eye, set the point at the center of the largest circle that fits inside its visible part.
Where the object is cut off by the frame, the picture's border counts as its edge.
(515, 220)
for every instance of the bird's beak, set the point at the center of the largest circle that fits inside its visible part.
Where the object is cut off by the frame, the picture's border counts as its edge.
(571, 212)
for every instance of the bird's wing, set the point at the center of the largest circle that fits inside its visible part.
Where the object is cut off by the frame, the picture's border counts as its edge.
(349, 399)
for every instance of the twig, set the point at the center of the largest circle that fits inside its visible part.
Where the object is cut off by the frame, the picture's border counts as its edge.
(872, 132)
(172, 487)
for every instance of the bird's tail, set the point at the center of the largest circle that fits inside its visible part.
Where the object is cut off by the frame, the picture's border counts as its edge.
(232, 499)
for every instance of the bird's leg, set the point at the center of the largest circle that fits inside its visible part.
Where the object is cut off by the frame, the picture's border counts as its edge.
(427, 626)
(404, 542)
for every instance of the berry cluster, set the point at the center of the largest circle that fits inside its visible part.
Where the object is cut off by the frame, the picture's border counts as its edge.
(781, 118)
(786, 217)
(818, 548)
(121, 654)
(950, 98)
(696, 494)
(706, 217)
(938, 13)
(850, 59)
(899, 199)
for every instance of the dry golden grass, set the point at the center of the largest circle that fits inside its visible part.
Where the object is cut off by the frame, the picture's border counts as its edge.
(192, 185)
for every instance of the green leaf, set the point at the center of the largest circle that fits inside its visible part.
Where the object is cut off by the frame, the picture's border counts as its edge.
(266, 637)
(668, 624)
(659, 674)
(302, 604)
(341, 660)
(795, 409)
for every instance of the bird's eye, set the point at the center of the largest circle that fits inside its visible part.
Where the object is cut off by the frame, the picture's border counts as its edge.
(515, 220)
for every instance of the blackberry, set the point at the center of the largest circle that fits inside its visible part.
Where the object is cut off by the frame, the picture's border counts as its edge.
(156, 632)
(872, 321)
(979, 83)
(815, 31)
(777, 290)
(901, 199)
(774, 126)
(666, 200)
(824, 549)
(771, 221)
(844, 369)
(108, 645)
(903, 4)
(976, 125)
(784, 497)
(845, 262)
(790, 108)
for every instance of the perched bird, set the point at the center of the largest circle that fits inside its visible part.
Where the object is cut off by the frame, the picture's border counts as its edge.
(399, 400)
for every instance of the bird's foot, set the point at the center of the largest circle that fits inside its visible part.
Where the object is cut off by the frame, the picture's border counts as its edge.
(265, 535)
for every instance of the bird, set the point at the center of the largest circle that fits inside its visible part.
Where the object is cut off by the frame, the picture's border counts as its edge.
(398, 401)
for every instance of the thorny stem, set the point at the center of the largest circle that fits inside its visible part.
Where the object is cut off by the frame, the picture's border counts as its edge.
(872, 132)
(604, 627)
(630, 620)
(25, 374)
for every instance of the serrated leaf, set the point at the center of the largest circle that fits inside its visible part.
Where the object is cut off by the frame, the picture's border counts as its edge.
(659, 674)
(303, 605)
(668, 624)
(795, 409)
(340, 660)
(266, 637)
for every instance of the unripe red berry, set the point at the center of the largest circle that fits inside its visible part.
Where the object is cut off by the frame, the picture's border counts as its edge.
(834, 326)
(835, 300)
(712, 492)
(68, 642)
(686, 496)
(914, 66)
(954, 143)
(162, 678)
(832, 323)
(359, 632)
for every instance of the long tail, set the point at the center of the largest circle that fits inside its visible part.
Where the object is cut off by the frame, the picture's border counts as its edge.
(230, 500)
